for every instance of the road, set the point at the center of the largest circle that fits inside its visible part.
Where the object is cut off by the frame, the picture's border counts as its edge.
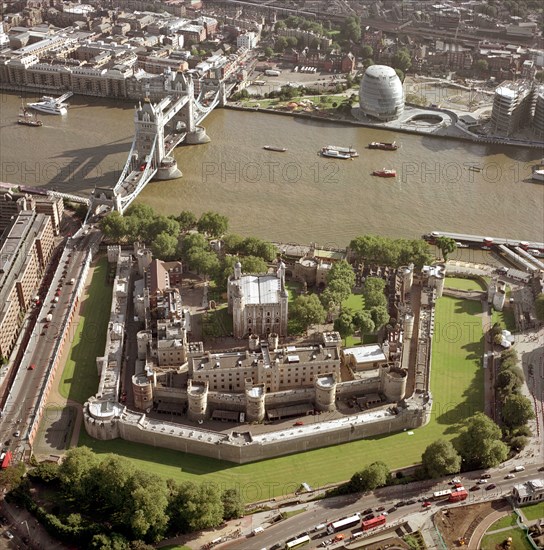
(32, 374)
(328, 510)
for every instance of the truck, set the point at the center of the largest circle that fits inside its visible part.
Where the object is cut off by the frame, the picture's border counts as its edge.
(272, 72)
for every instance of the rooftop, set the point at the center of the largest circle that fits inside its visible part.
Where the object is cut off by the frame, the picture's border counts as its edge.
(366, 354)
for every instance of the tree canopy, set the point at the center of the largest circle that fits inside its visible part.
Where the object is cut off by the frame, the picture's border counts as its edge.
(308, 311)
(539, 307)
(480, 444)
(446, 245)
(517, 410)
(390, 252)
(373, 476)
(440, 459)
(212, 224)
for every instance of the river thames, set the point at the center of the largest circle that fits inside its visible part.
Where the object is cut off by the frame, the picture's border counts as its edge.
(291, 196)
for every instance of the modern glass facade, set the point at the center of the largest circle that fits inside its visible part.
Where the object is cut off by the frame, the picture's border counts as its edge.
(381, 94)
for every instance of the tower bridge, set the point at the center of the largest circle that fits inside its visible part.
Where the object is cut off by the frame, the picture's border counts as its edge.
(159, 128)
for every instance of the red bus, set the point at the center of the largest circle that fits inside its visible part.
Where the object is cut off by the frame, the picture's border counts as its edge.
(457, 496)
(374, 522)
(6, 461)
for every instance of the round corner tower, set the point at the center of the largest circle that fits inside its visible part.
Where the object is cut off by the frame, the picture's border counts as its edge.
(197, 400)
(325, 392)
(255, 396)
(393, 383)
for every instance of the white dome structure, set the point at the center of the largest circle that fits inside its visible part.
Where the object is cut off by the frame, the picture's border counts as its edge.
(381, 94)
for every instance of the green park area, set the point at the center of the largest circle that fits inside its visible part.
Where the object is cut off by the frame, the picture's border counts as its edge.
(519, 540)
(533, 511)
(507, 521)
(460, 283)
(457, 388)
(80, 378)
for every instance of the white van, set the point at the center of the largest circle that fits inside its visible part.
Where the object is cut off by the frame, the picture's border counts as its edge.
(257, 530)
(519, 468)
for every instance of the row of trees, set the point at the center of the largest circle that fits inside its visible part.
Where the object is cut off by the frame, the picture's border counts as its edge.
(106, 498)
(390, 252)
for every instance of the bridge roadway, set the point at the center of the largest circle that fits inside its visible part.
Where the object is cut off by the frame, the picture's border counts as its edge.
(331, 509)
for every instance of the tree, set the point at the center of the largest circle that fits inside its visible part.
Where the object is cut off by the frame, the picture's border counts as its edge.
(280, 25)
(509, 380)
(351, 30)
(253, 264)
(193, 241)
(344, 323)
(480, 66)
(187, 220)
(114, 226)
(307, 310)
(539, 76)
(162, 224)
(373, 476)
(164, 246)
(364, 322)
(268, 51)
(336, 292)
(367, 51)
(480, 444)
(195, 507)
(341, 271)
(440, 459)
(76, 469)
(233, 243)
(368, 62)
(292, 41)
(400, 74)
(213, 224)
(205, 262)
(373, 292)
(280, 44)
(402, 60)
(446, 245)
(517, 410)
(233, 504)
(539, 307)
(380, 316)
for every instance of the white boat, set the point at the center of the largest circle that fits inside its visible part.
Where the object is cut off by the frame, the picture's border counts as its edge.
(335, 154)
(51, 105)
(538, 174)
(347, 150)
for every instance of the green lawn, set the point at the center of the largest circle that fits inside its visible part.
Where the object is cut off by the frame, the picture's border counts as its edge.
(464, 284)
(89, 339)
(293, 288)
(506, 521)
(519, 541)
(533, 511)
(457, 389)
(355, 302)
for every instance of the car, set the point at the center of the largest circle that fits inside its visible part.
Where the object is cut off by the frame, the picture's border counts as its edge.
(391, 510)
(510, 476)
(475, 488)
(9, 534)
(481, 481)
(339, 537)
(455, 480)
(380, 509)
(368, 511)
(32, 366)
(299, 423)
(486, 476)
(490, 486)
(458, 485)
(400, 504)
(368, 516)
(426, 504)
(502, 270)
(385, 513)
(411, 501)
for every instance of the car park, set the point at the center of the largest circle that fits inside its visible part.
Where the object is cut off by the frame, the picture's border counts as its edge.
(490, 486)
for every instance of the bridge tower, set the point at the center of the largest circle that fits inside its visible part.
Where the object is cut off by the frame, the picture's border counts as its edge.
(149, 125)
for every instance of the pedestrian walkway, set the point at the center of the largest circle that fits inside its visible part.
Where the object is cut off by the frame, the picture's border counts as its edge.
(484, 525)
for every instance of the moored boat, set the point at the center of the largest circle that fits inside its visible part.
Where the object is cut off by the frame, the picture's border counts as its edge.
(347, 150)
(332, 153)
(277, 149)
(385, 173)
(475, 168)
(538, 173)
(383, 145)
(26, 118)
(51, 105)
